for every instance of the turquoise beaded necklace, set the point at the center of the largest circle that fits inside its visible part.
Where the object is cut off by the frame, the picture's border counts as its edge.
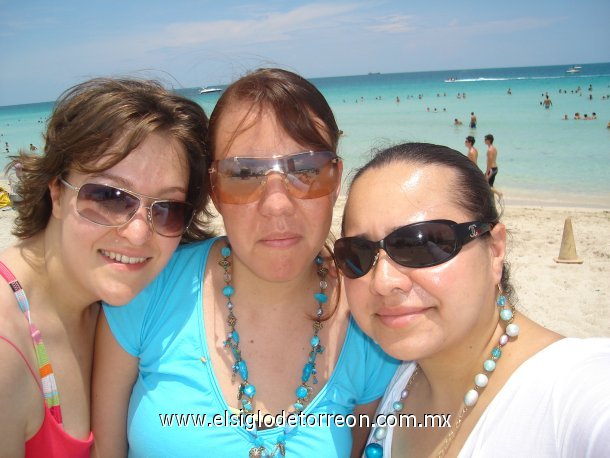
(247, 390)
(507, 314)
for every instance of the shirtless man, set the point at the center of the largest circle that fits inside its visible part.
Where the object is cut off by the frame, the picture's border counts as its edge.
(473, 154)
(547, 102)
(473, 120)
(492, 155)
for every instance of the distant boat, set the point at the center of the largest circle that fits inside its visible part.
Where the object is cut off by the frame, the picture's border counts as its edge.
(450, 80)
(205, 90)
(574, 69)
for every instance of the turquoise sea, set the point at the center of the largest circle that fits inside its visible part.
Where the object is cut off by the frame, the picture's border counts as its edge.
(541, 156)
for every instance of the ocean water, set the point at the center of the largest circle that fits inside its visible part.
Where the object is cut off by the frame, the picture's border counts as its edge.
(541, 156)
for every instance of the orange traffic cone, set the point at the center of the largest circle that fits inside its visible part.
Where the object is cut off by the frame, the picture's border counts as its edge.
(567, 252)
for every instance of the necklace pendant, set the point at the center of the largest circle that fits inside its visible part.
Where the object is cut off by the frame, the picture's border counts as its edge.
(256, 452)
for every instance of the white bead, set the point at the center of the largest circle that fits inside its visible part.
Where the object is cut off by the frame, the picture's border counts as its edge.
(481, 380)
(404, 394)
(471, 398)
(503, 340)
(512, 330)
(380, 433)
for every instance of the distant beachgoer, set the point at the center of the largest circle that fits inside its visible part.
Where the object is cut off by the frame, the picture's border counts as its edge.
(594, 115)
(509, 92)
(473, 120)
(586, 117)
(32, 147)
(492, 155)
(565, 117)
(608, 126)
(577, 115)
(397, 99)
(457, 122)
(473, 154)
(547, 102)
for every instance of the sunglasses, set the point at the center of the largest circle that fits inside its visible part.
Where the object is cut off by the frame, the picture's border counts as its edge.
(423, 244)
(307, 175)
(114, 207)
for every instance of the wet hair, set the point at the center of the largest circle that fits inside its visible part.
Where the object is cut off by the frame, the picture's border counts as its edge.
(299, 108)
(94, 126)
(490, 138)
(470, 139)
(470, 189)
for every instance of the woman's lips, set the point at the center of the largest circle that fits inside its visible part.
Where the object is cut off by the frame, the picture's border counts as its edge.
(400, 317)
(283, 240)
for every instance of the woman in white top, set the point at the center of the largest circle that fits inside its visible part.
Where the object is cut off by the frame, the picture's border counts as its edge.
(427, 280)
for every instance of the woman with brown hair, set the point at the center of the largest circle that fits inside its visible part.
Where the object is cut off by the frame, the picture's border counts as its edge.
(103, 208)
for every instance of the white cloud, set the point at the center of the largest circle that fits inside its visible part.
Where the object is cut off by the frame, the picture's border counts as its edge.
(393, 24)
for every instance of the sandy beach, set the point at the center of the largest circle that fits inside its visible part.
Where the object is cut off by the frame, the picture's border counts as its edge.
(572, 299)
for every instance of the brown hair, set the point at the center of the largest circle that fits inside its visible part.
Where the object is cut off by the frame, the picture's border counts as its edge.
(108, 118)
(470, 189)
(297, 105)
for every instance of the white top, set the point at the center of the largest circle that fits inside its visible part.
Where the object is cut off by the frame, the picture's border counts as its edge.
(557, 403)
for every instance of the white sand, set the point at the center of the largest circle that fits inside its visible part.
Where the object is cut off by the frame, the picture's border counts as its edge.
(572, 299)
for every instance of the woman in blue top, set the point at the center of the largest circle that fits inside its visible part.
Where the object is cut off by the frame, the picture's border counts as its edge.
(243, 346)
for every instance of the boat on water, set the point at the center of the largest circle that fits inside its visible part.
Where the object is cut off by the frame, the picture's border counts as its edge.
(574, 69)
(451, 80)
(206, 90)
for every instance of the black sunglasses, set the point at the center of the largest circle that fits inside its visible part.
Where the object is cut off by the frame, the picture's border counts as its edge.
(114, 207)
(423, 244)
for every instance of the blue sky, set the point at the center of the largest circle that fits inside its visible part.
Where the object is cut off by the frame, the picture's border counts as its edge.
(48, 46)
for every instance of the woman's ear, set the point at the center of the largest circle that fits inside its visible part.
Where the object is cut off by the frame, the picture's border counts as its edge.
(498, 250)
(55, 191)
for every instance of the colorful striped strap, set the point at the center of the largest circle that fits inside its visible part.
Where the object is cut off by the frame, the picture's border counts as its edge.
(47, 378)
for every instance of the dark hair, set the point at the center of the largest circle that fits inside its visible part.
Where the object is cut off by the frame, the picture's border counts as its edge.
(470, 190)
(490, 138)
(470, 139)
(300, 109)
(108, 118)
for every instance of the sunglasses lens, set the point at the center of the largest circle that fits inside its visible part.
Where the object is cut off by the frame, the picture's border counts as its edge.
(354, 256)
(171, 218)
(421, 245)
(109, 206)
(106, 205)
(307, 175)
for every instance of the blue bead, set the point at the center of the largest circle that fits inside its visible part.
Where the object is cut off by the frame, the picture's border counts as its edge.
(228, 291)
(298, 406)
(501, 300)
(235, 336)
(496, 353)
(307, 372)
(315, 340)
(506, 314)
(373, 451)
(319, 260)
(243, 369)
(246, 405)
(321, 297)
(489, 365)
(249, 390)
(225, 251)
(397, 406)
(301, 392)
